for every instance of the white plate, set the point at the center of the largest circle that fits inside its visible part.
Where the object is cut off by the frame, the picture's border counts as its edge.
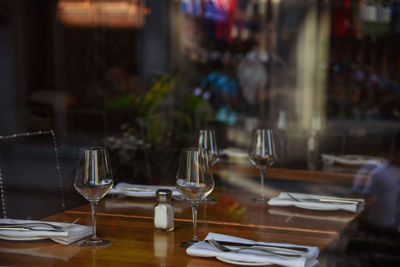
(243, 262)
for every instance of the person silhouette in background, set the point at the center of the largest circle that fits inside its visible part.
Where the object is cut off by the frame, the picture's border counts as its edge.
(376, 241)
(383, 183)
(383, 186)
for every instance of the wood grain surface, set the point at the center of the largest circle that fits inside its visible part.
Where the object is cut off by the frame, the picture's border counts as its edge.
(234, 208)
(134, 243)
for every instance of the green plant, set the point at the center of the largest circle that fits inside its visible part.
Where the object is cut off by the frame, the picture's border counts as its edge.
(146, 107)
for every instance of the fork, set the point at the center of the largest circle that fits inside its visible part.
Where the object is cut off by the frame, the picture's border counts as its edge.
(325, 200)
(222, 248)
(31, 225)
(24, 228)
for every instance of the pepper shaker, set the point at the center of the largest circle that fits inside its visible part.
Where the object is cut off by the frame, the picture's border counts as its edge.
(163, 211)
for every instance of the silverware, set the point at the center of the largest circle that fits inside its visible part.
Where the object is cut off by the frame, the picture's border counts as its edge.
(222, 248)
(137, 189)
(325, 200)
(16, 228)
(283, 248)
(30, 225)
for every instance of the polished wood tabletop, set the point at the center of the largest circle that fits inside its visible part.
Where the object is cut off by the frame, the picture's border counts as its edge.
(232, 209)
(234, 206)
(128, 223)
(320, 176)
(134, 243)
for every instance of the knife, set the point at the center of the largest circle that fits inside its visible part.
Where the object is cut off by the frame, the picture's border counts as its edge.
(237, 244)
(136, 189)
(326, 200)
(329, 200)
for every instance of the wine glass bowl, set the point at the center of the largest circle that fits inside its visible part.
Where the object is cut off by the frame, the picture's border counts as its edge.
(93, 180)
(194, 180)
(262, 154)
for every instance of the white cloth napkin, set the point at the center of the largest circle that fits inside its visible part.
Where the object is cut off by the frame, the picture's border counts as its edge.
(138, 190)
(284, 200)
(68, 234)
(204, 249)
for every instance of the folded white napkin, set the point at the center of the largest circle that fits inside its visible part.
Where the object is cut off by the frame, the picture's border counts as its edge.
(68, 234)
(204, 249)
(137, 190)
(306, 202)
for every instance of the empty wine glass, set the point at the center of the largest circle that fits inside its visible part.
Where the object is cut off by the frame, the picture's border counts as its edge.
(207, 141)
(194, 181)
(262, 154)
(93, 180)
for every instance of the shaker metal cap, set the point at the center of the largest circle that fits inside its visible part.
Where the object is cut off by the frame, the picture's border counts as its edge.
(164, 193)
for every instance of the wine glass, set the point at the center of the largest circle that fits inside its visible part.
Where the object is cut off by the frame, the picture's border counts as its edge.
(207, 141)
(194, 181)
(262, 154)
(93, 180)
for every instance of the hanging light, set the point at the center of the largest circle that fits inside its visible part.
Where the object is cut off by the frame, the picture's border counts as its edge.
(105, 13)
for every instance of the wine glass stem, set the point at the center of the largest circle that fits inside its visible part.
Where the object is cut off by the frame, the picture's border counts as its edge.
(262, 171)
(93, 204)
(194, 214)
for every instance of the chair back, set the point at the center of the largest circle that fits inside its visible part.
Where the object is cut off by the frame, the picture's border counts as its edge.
(31, 185)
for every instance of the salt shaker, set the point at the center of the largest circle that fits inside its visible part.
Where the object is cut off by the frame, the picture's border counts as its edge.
(163, 211)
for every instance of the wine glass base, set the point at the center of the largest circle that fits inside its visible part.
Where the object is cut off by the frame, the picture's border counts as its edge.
(185, 244)
(95, 243)
(259, 199)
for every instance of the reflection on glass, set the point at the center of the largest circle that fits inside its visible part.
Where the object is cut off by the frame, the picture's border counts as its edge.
(207, 141)
(281, 125)
(262, 154)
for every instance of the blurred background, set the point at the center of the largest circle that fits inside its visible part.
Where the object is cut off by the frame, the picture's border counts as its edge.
(142, 77)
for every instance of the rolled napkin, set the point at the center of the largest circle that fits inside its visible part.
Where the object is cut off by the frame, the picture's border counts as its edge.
(317, 202)
(204, 249)
(137, 190)
(64, 233)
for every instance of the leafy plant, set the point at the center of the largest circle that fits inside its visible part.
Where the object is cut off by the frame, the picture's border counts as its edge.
(146, 107)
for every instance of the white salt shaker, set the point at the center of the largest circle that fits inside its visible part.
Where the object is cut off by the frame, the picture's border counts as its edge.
(163, 211)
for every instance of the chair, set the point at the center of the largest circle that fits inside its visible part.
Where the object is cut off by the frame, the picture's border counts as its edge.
(31, 185)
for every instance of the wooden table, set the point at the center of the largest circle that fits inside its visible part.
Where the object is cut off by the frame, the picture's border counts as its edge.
(345, 178)
(136, 244)
(231, 210)
(128, 223)
(235, 207)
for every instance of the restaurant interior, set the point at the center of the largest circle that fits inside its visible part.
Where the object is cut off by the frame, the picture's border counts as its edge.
(281, 100)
